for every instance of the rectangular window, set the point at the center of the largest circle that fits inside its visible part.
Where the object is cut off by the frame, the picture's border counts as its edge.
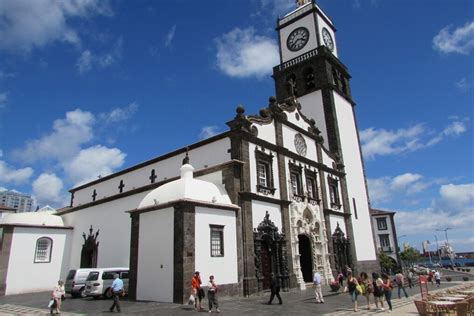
(355, 207)
(310, 187)
(43, 250)
(295, 183)
(217, 241)
(262, 174)
(382, 223)
(384, 242)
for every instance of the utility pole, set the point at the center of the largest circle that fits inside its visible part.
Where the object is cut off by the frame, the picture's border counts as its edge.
(437, 250)
(450, 254)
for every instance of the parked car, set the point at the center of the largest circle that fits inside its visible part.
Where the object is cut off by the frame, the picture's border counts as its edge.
(99, 281)
(76, 282)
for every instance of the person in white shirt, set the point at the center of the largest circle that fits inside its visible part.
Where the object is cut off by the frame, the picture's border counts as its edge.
(318, 294)
(437, 277)
(212, 294)
(57, 295)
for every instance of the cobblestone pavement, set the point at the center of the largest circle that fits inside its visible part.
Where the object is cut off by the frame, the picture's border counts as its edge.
(295, 302)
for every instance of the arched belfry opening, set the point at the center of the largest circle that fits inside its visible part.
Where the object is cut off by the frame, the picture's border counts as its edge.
(90, 250)
(306, 262)
(342, 250)
(270, 254)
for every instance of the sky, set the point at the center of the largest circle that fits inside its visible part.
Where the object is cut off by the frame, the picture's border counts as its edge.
(90, 87)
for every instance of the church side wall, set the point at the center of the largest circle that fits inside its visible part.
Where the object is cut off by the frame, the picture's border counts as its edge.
(24, 275)
(312, 107)
(223, 268)
(201, 157)
(356, 186)
(114, 231)
(259, 209)
(155, 261)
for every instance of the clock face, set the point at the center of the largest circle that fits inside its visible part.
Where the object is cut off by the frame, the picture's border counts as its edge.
(327, 38)
(300, 145)
(297, 39)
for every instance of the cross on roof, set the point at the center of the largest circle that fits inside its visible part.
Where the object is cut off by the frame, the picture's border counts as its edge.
(94, 195)
(121, 186)
(153, 176)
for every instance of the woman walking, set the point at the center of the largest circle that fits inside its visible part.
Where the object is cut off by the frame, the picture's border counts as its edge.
(352, 287)
(378, 290)
(387, 290)
(57, 295)
(212, 294)
(367, 287)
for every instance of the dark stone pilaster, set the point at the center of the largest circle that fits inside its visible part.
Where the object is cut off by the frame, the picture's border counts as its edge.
(5, 249)
(134, 238)
(184, 250)
(348, 220)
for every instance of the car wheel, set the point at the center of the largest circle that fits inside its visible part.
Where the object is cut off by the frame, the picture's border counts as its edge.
(108, 293)
(82, 293)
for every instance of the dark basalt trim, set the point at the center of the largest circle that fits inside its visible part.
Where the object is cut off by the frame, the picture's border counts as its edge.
(331, 212)
(179, 202)
(36, 226)
(157, 159)
(253, 196)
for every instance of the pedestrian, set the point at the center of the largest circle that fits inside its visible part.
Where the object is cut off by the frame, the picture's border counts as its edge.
(410, 278)
(399, 279)
(275, 289)
(367, 287)
(387, 290)
(430, 276)
(340, 278)
(197, 291)
(212, 294)
(437, 277)
(57, 296)
(117, 290)
(378, 290)
(318, 294)
(351, 286)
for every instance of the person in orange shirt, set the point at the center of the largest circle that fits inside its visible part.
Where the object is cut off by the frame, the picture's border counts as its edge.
(197, 291)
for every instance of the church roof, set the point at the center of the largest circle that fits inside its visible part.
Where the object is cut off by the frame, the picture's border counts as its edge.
(186, 188)
(44, 218)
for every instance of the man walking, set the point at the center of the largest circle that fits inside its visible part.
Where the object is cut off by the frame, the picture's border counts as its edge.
(399, 279)
(318, 294)
(437, 277)
(117, 290)
(275, 289)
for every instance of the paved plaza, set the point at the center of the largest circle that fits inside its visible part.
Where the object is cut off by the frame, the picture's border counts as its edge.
(295, 302)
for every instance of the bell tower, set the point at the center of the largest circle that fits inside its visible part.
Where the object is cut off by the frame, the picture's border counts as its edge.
(311, 72)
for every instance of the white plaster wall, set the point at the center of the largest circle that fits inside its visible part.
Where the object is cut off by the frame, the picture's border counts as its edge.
(321, 24)
(216, 178)
(300, 122)
(202, 157)
(223, 268)
(156, 256)
(289, 142)
(114, 225)
(266, 132)
(312, 107)
(307, 22)
(259, 209)
(253, 170)
(355, 179)
(333, 220)
(327, 160)
(24, 275)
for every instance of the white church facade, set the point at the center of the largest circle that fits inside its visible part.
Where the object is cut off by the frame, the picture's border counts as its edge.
(281, 192)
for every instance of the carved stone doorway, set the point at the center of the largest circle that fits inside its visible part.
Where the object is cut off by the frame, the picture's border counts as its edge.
(266, 258)
(306, 262)
(342, 250)
(90, 250)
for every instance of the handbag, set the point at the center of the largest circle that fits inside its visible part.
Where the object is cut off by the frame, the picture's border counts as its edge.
(191, 300)
(52, 303)
(359, 289)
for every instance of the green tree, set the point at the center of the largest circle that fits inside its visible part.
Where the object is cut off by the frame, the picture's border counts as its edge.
(409, 256)
(386, 263)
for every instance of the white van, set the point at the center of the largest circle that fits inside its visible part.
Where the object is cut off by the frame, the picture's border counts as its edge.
(76, 282)
(99, 281)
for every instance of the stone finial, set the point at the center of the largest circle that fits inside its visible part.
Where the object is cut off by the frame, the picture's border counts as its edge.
(240, 112)
(186, 159)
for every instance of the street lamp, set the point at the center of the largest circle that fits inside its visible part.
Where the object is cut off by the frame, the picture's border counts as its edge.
(398, 249)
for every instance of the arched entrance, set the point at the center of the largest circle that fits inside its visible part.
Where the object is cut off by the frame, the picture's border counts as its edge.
(306, 262)
(90, 250)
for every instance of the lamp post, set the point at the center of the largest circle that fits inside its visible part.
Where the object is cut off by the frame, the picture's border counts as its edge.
(398, 249)
(437, 250)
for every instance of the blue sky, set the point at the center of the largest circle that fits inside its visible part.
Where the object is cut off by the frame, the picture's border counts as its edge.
(91, 87)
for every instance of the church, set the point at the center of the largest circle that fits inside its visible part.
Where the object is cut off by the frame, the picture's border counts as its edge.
(281, 192)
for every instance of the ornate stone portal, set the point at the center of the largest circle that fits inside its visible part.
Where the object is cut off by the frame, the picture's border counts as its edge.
(270, 254)
(90, 250)
(342, 250)
(309, 243)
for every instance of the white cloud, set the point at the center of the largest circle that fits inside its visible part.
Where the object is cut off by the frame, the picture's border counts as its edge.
(457, 197)
(404, 140)
(278, 7)
(208, 131)
(464, 84)
(92, 162)
(170, 36)
(460, 40)
(47, 189)
(119, 114)
(3, 99)
(88, 60)
(241, 53)
(28, 24)
(385, 189)
(63, 142)
(12, 175)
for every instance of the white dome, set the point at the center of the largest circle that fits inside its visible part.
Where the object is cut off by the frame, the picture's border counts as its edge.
(44, 218)
(185, 188)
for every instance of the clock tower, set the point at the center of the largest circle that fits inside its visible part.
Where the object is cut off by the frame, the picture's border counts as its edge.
(311, 72)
